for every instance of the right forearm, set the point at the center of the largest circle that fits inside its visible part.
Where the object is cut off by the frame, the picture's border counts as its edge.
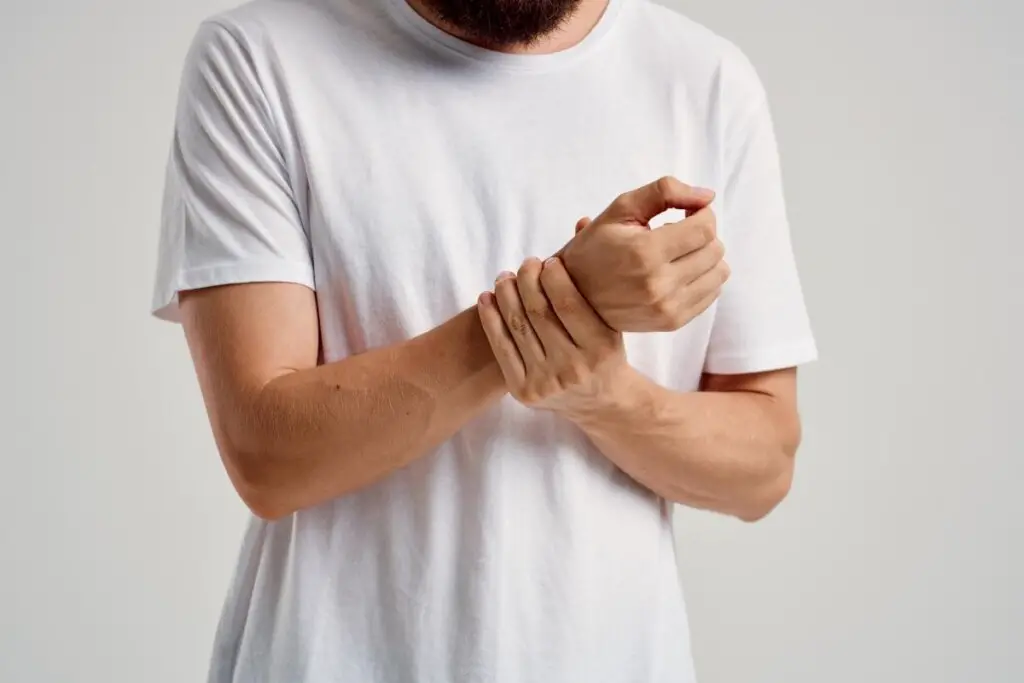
(316, 434)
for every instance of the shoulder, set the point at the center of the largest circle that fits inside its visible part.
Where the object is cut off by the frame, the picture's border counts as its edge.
(259, 43)
(267, 18)
(692, 53)
(264, 29)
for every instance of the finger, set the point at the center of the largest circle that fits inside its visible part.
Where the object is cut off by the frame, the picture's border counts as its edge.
(553, 336)
(705, 303)
(696, 264)
(694, 299)
(710, 291)
(511, 307)
(703, 291)
(674, 241)
(576, 314)
(504, 347)
(644, 203)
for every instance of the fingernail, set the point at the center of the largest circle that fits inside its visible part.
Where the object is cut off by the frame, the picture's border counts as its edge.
(551, 261)
(485, 299)
(703, 192)
(504, 275)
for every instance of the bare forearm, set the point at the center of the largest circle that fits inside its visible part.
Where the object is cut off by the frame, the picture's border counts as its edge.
(731, 452)
(319, 433)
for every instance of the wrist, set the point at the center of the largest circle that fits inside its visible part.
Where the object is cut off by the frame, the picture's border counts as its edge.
(621, 393)
(460, 358)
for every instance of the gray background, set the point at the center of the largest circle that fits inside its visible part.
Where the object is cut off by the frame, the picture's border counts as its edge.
(898, 556)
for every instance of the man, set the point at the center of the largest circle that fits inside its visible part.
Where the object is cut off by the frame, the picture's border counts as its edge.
(455, 486)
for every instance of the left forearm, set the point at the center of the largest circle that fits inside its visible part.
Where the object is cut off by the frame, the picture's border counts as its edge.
(731, 452)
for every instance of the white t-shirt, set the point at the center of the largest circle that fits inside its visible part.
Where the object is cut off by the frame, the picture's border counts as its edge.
(352, 147)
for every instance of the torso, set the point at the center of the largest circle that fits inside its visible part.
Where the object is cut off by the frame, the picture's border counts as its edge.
(515, 552)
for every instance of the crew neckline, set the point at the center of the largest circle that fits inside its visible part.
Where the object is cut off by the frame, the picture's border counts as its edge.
(436, 37)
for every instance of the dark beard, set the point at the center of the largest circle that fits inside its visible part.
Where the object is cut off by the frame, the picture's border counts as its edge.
(503, 23)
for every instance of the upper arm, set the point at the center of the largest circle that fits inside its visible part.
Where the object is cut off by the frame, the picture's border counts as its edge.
(234, 260)
(777, 392)
(241, 338)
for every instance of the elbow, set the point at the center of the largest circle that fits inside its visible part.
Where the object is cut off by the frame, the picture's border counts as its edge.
(265, 504)
(768, 495)
(775, 485)
(256, 462)
(260, 490)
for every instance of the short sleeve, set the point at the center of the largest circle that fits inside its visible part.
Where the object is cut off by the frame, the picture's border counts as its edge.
(229, 214)
(761, 321)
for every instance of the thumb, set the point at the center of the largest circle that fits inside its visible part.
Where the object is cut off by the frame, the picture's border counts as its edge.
(644, 203)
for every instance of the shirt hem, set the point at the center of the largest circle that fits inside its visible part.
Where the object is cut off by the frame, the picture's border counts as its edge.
(165, 306)
(764, 360)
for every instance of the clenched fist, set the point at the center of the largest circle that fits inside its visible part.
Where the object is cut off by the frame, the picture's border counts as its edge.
(644, 280)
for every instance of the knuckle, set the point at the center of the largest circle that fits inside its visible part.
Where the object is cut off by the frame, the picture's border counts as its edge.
(527, 268)
(546, 389)
(506, 289)
(668, 186)
(667, 324)
(680, 317)
(527, 396)
(571, 375)
(566, 305)
(704, 304)
(664, 311)
(717, 250)
(623, 204)
(604, 351)
(712, 217)
(708, 227)
(517, 324)
(674, 313)
(550, 316)
(534, 391)
(536, 308)
(551, 278)
(657, 324)
(653, 291)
